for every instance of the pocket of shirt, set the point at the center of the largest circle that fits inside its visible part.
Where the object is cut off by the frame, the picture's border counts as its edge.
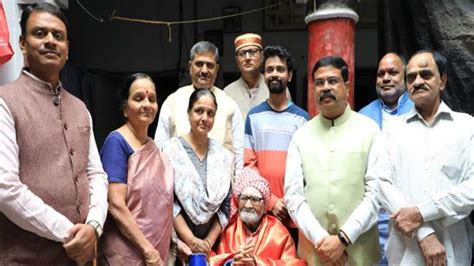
(452, 172)
(452, 159)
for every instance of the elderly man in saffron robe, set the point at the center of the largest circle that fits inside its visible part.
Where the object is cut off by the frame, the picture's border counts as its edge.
(253, 237)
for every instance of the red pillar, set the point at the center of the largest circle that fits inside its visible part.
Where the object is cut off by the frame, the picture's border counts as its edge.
(331, 32)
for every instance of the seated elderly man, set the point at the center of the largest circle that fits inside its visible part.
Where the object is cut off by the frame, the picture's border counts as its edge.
(253, 237)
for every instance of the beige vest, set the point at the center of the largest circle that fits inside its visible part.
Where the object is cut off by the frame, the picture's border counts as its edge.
(246, 99)
(53, 143)
(334, 164)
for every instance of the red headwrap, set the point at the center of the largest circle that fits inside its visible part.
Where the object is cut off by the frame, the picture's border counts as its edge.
(249, 177)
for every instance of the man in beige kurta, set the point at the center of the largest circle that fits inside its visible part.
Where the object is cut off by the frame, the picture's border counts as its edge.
(228, 127)
(329, 188)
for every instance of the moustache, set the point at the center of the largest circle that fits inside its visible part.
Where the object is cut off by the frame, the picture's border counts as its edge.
(249, 210)
(420, 87)
(270, 80)
(327, 94)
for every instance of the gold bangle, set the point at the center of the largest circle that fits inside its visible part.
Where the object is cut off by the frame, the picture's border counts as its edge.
(208, 241)
(195, 244)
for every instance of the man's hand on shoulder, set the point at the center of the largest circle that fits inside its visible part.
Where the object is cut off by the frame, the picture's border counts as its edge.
(433, 251)
(279, 210)
(81, 246)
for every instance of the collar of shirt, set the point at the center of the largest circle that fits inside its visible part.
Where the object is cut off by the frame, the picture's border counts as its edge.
(338, 121)
(393, 111)
(443, 112)
(253, 91)
(56, 90)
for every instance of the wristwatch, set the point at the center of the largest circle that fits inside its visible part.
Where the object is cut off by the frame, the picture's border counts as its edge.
(342, 239)
(97, 228)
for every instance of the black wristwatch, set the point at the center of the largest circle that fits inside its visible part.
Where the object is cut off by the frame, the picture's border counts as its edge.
(342, 239)
(97, 228)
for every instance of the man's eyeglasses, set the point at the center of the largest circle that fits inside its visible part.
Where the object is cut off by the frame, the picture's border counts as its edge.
(333, 81)
(254, 200)
(251, 52)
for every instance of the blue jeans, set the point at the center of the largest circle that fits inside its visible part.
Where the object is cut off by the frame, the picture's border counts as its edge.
(384, 217)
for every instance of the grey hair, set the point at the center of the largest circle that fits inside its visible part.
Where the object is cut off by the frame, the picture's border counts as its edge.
(204, 47)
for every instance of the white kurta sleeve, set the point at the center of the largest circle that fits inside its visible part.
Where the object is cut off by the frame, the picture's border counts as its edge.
(17, 202)
(162, 132)
(389, 196)
(238, 128)
(365, 215)
(98, 184)
(298, 208)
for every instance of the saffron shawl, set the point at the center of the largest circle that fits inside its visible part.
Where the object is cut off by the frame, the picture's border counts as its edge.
(273, 244)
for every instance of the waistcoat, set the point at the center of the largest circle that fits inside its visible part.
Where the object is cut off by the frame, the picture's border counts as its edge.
(334, 164)
(53, 143)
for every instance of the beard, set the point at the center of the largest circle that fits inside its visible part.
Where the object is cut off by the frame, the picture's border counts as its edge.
(276, 86)
(250, 216)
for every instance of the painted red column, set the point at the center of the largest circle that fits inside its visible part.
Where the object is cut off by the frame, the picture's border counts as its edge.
(331, 32)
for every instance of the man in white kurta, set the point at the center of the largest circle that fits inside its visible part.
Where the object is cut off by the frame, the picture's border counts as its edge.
(428, 181)
(329, 188)
(228, 127)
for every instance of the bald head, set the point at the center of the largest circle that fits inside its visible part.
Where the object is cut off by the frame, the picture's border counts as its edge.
(390, 83)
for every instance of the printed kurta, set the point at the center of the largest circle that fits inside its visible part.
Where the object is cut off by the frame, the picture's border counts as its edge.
(200, 202)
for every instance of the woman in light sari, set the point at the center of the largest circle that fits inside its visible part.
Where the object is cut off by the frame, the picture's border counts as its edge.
(139, 225)
(203, 173)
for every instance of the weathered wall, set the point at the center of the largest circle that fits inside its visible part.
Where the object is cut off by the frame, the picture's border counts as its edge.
(444, 25)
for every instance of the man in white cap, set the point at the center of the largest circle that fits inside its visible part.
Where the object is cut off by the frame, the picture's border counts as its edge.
(250, 89)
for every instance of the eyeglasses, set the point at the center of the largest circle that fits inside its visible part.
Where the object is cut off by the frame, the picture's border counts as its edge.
(424, 74)
(254, 200)
(251, 52)
(333, 81)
